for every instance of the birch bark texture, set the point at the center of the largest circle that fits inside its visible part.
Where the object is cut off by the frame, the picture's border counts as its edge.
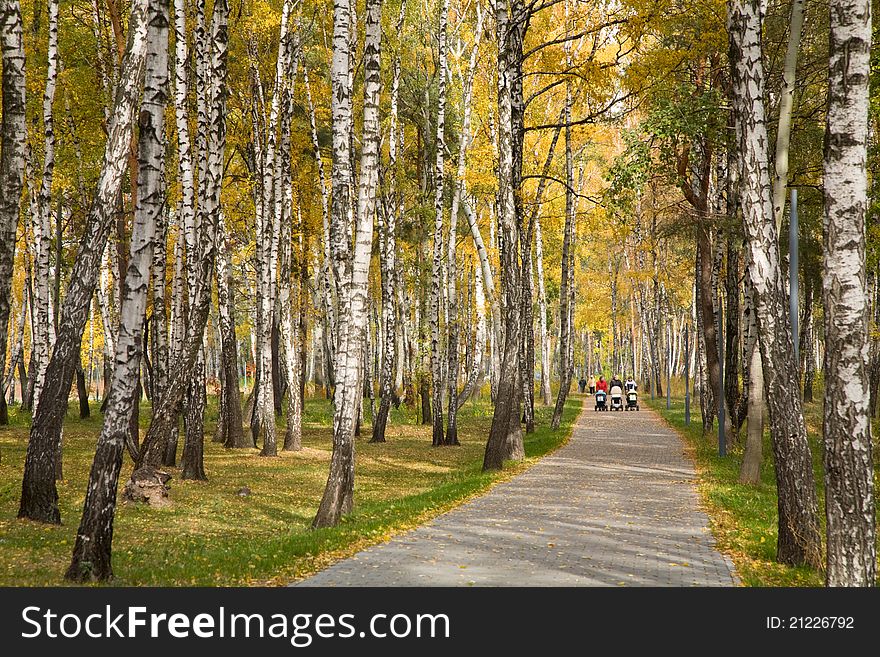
(388, 255)
(165, 410)
(92, 548)
(507, 395)
(799, 541)
(438, 432)
(351, 268)
(13, 135)
(851, 558)
(39, 498)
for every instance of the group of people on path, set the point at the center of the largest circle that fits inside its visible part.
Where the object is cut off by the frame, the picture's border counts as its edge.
(605, 386)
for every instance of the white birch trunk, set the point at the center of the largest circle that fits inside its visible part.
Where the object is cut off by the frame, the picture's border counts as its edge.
(851, 556)
(436, 304)
(506, 414)
(92, 550)
(542, 309)
(41, 217)
(798, 537)
(786, 105)
(13, 139)
(351, 269)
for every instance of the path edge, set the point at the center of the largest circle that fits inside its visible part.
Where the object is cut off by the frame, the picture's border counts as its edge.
(689, 452)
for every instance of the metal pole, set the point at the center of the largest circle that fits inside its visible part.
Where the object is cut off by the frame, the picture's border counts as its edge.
(687, 378)
(722, 443)
(793, 271)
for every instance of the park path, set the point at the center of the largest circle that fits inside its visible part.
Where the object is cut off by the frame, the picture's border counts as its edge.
(616, 506)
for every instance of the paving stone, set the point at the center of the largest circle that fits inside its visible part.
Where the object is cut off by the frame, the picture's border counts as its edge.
(616, 506)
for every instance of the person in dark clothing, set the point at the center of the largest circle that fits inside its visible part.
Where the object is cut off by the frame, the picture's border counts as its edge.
(615, 381)
(582, 384)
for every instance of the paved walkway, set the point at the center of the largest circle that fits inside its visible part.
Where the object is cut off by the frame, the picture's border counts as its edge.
(615, 507)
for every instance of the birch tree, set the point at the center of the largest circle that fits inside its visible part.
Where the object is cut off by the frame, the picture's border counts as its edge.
(39, 498)
(798, 537)
(351, 268)
(438, 433)
(851, 557)
(230, 420)
(284, 208)
(388, 253)
(458, 193)
(13, 134)
(508, 389)
(92, 550)
(165, 410)
(542, 310)
(41, 218)
(566, 334)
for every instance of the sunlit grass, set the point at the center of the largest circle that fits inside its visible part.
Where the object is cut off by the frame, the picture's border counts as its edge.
(744, 518)
(211, 535)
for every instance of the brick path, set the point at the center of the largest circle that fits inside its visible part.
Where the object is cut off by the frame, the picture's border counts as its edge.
(615, 507)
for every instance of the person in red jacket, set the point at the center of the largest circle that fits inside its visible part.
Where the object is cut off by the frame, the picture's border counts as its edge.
(602, 384)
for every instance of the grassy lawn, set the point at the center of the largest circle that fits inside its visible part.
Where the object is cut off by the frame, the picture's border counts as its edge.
(212, 536)
(744, 518)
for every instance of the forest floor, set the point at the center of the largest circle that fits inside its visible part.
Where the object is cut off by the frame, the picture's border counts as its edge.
(744, 518)
(211, 535)
(616, 506)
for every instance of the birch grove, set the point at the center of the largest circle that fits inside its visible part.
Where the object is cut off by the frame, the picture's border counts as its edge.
(338, 243)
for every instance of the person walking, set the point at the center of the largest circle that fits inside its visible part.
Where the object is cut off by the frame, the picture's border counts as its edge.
(592, 384)
(602, 385)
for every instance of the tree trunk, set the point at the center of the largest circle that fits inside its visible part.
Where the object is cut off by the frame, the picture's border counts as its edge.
(13, 140)
(328, 280)
(731, 345)
(438, 437)
(798, 538)
(851, 556)
(388, 258)
(542, 310)
(41, 216)
(786, 105)
(566, 367)
(750, 470)
(166, 410)
(82, 393)
(92, 549)
(353, 273)
(167, 442)
(39, 499)
(710, 334)
(231, 420)
(810, 363)
(508, 388)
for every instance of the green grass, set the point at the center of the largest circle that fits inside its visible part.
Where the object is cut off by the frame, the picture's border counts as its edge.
(744, 518)
(212, 536)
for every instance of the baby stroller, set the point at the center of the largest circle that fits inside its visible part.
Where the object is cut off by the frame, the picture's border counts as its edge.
(616, 398)
(632, 400)
(600, 401)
